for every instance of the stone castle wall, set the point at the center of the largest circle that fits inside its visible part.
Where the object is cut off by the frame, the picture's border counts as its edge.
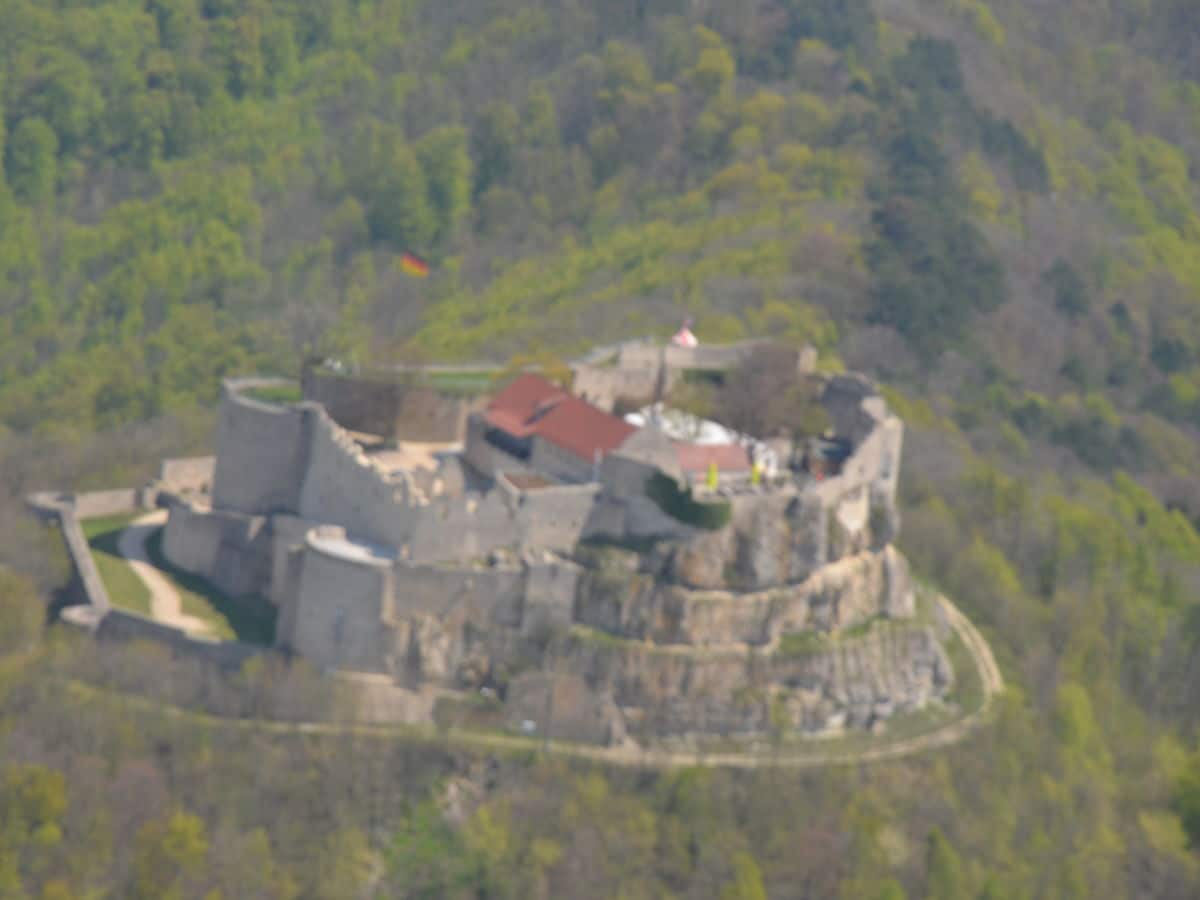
(341, 618)
(555, 518)
(356, 608)
(342, 486)
(262, 452)
(187, 474)
(231, 549)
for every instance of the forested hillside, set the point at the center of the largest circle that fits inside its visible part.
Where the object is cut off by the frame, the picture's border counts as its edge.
(990, 205)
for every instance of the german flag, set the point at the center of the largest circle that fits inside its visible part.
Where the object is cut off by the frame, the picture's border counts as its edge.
(414, 265)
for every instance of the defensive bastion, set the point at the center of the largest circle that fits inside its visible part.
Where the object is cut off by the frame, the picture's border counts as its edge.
(570, 598)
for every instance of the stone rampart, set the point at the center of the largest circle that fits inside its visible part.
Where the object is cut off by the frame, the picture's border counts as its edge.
(640, 371)
(231, 549)
(605, 386)
(342, 486)
(463, 528)
(262, 451)
(122, 625)
(713, 357)
(95, 610)
(342, 616)
(287, 535)
(483, 595)
(189, 474)
(460, 624)
(555, 518)
(97, 504)
(86, 587)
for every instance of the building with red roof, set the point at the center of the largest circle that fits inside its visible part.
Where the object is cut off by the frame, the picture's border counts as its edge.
(541, 426)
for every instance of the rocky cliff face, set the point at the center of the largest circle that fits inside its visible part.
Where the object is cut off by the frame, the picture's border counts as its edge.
(633, 596)
(646, 657)
(783, 539)
(854, 682)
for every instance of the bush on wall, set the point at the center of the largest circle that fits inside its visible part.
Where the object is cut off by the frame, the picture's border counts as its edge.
(679, 504)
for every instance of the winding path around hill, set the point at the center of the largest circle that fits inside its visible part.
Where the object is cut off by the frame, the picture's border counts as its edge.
(991, 680)
(165, 604)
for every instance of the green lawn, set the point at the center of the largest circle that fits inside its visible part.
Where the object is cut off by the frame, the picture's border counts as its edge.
(249, 619)
(124, 587)
(281, 394)
(469, 383)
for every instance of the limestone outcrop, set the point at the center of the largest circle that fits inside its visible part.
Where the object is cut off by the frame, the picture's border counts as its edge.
(856, 682)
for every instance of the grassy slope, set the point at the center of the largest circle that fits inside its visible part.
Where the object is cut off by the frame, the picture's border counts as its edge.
(249, 619)
(124, 587)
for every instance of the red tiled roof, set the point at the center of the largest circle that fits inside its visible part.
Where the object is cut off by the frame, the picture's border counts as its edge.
(531, 405)
(698, 457)
(513, 407)
(580, 428)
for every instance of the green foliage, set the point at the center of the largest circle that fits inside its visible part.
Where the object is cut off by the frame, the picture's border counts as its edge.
(31, 160)
(432, 859)
(838, 24)
(1186, 799)
(678, 503)
(944, 875)
(1068, 289)
(21, 613)
(399, 210)
(932, 267)
(1001, 139)
(747, 883)
(281, 394)
(443, 156)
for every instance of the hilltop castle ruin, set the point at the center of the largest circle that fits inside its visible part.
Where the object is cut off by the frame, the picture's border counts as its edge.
(569, 563)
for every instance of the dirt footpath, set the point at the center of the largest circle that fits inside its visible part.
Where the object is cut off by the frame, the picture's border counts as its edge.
(165, 605)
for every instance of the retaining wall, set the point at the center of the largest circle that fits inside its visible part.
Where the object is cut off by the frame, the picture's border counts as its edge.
(122, 625)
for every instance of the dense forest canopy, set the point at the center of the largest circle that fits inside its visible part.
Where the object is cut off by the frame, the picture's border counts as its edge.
(991, 205)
